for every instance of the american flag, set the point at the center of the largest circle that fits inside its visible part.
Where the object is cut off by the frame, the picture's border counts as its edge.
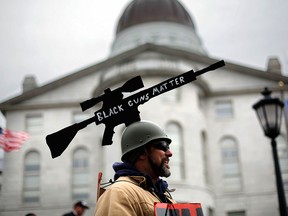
(12, 140)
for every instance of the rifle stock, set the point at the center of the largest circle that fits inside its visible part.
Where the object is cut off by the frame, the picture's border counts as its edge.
(59, 141)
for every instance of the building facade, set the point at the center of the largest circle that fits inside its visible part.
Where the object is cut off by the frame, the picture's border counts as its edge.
(220, 155)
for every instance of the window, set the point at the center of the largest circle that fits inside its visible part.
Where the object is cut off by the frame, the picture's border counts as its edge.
(31, 179)
(231, 166)
(177, 164)
(224, 109)
(34, 124)
(80, 175)
(282, 150)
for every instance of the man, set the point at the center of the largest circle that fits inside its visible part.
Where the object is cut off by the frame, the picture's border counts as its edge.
(79, 209)
(137, 186)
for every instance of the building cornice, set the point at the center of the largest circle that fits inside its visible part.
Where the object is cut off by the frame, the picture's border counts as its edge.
(130, 55)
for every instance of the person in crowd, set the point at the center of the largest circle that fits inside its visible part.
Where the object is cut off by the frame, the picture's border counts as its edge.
(79, 209)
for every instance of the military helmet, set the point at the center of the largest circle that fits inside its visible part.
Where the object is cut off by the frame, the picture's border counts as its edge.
(139, 134)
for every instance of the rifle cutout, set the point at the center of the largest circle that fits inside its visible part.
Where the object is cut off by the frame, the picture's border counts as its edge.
(117, 110)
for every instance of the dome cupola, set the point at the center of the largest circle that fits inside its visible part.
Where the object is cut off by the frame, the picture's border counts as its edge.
(161, 22)
(143, 11)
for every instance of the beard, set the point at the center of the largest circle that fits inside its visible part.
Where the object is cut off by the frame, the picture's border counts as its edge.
(160, 170)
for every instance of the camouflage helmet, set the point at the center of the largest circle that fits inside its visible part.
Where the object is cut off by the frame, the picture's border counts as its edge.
(139, 134)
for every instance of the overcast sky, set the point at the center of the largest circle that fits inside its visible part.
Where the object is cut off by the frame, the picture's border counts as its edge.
(53, 38)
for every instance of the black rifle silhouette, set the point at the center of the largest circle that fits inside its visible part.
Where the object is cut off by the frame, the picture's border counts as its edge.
(117, 110)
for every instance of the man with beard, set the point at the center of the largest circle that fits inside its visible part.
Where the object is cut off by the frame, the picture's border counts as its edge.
(137, 184)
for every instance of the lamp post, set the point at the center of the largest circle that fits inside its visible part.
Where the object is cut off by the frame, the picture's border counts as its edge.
(269, 111)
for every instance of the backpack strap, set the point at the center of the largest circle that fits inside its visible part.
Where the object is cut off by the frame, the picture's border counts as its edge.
(100, 190)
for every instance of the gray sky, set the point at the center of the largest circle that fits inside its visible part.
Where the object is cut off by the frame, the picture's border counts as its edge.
(52, 38)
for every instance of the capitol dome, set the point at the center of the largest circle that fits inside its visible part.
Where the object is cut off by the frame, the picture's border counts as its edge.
(143, 11)
(161, 22)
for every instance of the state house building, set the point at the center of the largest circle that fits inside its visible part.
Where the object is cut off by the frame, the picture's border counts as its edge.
(221, 157)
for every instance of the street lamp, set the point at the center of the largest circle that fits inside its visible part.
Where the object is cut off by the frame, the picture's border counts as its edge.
(269, 111)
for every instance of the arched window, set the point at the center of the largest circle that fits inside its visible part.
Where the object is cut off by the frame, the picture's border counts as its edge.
(177, 162)
(80, 175)
(31, 178)
(231, 166)
(282, 150)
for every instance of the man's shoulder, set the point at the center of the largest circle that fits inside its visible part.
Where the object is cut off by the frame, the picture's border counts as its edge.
(131, 180)
(125, 183)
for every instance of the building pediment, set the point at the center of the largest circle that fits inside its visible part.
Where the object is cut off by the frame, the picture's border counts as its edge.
(91, 81)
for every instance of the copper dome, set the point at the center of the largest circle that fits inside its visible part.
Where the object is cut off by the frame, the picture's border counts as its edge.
(141, 11)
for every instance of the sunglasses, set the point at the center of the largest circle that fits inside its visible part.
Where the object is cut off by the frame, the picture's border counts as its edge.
(164, 146)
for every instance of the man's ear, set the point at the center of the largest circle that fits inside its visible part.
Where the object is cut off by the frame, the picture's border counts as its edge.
(143, 156)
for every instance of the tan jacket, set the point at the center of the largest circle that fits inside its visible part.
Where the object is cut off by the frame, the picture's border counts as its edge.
(127, 197)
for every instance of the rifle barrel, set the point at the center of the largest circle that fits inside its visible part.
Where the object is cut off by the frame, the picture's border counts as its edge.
(210, 68)
(133, 101)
